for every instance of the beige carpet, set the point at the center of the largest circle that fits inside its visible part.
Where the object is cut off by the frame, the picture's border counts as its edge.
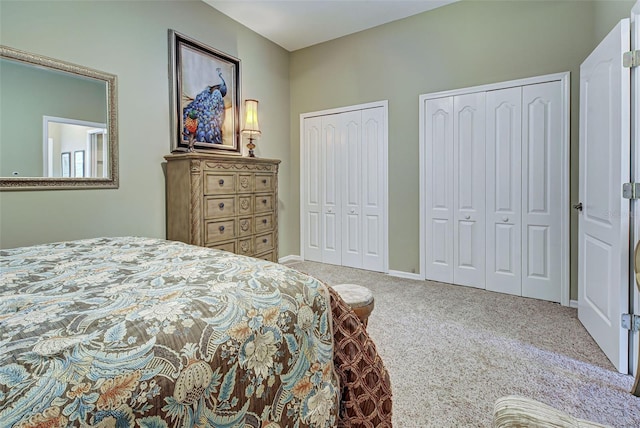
(451, 351)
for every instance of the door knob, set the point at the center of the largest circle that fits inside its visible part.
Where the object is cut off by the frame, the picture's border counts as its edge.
(577, 206)
(505, 219)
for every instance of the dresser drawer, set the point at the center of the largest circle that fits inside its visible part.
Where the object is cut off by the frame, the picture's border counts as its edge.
(264, 182)
(244, 205)
(264, 242)
(245, 183)
(222, 230)
(263, 203)
(245, 226)
(217, 183)
(225, 246)
(270, 256)
(264, 223)
(244, 247)
(219, 207)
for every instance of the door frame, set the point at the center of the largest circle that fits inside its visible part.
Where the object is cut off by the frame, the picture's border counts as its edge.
(384, 104)
(564, 79)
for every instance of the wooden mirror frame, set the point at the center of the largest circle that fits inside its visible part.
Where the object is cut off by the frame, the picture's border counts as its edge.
(53, 183)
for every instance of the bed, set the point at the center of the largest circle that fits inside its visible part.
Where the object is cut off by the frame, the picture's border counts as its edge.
(144, 332)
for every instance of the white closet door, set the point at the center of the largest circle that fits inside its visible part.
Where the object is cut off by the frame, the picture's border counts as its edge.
(351, 149)
(373, 188)
(504, 180)
(439, 185)
(330, 147)
(469, 195)
(542, 203)
(312, 183)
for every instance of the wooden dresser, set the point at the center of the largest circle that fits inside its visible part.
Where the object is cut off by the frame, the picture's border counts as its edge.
(225, 202)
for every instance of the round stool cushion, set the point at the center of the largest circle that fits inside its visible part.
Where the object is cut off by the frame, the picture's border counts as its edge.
(354, 295)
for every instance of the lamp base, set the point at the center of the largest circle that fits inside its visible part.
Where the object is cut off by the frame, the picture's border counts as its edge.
(251, 146)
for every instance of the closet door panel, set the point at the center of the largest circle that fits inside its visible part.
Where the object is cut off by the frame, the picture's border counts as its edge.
(469, 189)
(541, 193)
(373, 188)
(503, 246)
(439, 175)
(331, 221)
(351, 149)
(313, 189)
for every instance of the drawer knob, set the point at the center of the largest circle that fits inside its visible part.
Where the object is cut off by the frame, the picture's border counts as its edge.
(221, 228)
(221, 205)
(264, 181)
(264, 220)
(221, 182)
(264, 241)
(264, 201)
(505, 219)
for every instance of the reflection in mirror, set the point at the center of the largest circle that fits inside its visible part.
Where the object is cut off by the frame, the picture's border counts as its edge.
(58, 124)
(63, 135)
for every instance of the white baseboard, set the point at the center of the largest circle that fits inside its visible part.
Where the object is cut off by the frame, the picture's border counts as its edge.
(290, 258)
(573, 303)
(406, 275)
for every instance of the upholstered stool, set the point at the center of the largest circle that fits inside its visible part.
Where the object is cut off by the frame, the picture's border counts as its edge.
(359, 298)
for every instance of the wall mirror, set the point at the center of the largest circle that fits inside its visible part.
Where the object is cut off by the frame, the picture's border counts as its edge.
(58, 124)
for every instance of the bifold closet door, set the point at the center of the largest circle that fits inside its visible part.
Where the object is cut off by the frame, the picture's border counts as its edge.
(322, 185)
(542, 203)
(456, 210)
(364, 165)
(504, 184)
(469, 190)
(344, 189)
(439, 184)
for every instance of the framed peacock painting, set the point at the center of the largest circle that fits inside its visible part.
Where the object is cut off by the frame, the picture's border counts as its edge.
(205, 97)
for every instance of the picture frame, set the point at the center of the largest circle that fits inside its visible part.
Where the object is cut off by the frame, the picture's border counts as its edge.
(205, 97)
(65, 164)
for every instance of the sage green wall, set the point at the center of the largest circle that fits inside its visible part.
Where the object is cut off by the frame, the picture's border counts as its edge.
(129, 39)
(460, 45)
(29, 93)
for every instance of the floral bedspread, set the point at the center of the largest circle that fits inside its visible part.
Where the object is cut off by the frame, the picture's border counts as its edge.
(149, 333)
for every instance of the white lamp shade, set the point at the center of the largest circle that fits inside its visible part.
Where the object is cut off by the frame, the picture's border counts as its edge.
(251, 126)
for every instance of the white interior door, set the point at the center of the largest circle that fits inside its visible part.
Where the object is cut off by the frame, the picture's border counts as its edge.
(344, 186)
(469, 189)
(504, 178)
(603, 265)
(439, 182)
(542, 195)
(351, 148)
(331, 189)
(312, 184)
(373, 189)
(635, 171)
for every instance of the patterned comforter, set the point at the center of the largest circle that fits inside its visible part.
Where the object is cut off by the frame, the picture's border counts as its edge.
(142, 332)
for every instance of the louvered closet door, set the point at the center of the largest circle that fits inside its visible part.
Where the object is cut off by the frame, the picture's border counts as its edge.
(542, 203)
(439, 184)
(469, 190)
(504, 184)
(313, 216)
(331, 189)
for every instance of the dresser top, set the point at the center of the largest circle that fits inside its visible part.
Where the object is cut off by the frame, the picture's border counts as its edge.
(218, 158)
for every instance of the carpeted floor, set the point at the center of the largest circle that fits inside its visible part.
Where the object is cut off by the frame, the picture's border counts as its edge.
(451, 351)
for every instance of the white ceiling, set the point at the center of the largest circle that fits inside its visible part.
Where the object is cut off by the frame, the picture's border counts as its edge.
(296, 24)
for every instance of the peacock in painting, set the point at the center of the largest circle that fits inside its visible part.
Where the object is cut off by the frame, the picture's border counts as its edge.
(204, 116)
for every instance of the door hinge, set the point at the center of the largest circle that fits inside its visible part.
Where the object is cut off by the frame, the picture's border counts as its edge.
(630, 322)
(631, 59)
(631, 190)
